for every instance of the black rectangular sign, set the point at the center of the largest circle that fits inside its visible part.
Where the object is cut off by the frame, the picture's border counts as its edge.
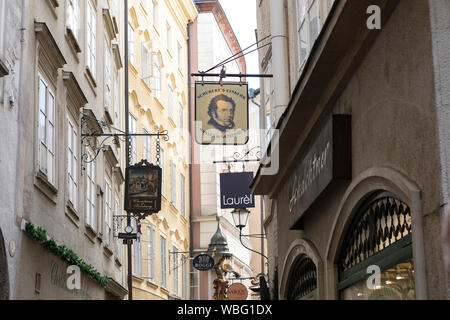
(235, 190)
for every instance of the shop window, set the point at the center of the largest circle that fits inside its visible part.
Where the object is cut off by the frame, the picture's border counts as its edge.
(378, 237)
(302, 281)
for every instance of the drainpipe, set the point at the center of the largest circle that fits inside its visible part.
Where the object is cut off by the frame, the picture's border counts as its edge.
(279, 59)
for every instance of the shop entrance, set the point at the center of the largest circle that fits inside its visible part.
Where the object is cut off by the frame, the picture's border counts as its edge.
(376, 257)
(4, 278)
(302, 280)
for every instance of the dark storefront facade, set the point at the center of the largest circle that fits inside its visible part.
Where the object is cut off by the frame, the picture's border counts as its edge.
(359, 187)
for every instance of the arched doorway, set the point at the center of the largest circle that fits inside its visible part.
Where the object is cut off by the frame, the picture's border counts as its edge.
(378, 238)
(4, 278)
(302, 280)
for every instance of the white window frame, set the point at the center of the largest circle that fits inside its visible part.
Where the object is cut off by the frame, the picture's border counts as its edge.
(131, 44)
(108, 209)
(151, 252)
(173, 183)
(184, 285)
(175, 270)
(117, 250)
(108, 76)
(147, 147)
(116, 95)
(46, 118)
(180, 119)
(134, 147)
(303, 13)
(146, 59)
(91, 28)
(182, 195)
(155, 14)
(157, 79)
(73, 17)
(163, 247)
(72, 163)
(180, 56)
(169, 38)
(170, 101)
(91, 192)
(137, 265)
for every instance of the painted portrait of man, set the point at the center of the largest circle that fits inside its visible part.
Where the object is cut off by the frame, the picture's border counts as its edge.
(221, 111)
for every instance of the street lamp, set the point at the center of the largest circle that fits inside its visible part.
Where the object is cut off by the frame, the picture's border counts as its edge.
(240, 217)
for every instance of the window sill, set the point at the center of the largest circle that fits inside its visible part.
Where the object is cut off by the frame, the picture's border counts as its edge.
(73, 43)
(158, 102)
(42, 183)
(132, 68)
(152, 284)
(90, 233)
(156, 30)
(169, 53)
(107, 251)
(72, 214)
(53, 4)
(172, 122)
(91, 80)
(137, 278)
(164, 290)
(3, 69)
(181, 73)
(117, 261)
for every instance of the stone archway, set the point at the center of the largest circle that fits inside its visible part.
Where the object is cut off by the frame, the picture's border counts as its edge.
(4, 278)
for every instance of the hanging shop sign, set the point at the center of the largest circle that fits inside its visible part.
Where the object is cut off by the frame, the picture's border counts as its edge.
(203, 262)
(326, 161)
(235, 192)
(143, 188)
(221, 113)
(237, 291)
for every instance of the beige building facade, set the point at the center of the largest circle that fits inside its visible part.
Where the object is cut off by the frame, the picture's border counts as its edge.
(71, 186)
(159, 98)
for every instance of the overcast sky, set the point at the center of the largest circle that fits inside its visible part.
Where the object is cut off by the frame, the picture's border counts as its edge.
(242, 16)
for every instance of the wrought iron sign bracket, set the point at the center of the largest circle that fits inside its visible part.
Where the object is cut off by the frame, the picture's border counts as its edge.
(223, 75)
(237, 157)
(93, 137)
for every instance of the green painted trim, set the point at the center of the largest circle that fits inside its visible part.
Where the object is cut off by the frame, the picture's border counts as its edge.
(64, 253)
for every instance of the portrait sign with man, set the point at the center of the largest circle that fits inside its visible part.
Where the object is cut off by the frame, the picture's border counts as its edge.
(221, 113)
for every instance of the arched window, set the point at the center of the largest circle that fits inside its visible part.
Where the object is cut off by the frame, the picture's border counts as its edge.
(302, 280)
(376, 256)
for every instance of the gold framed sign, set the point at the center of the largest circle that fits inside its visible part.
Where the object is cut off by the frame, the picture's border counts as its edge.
(221, 113)
(143, 189)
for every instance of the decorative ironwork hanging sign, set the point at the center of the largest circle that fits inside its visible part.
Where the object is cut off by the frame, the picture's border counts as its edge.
(203, 262)
(143, 188)
(221, 113)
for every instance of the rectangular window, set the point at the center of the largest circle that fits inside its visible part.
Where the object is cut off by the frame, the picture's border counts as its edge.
(108, 88)
(73, 17)
(131, 44)
(147, 147)
(146, 64)
(163, 263)
(133, 129)
(116, 222)
(173, 183)
(72, 163)
(91, 32)
(169, 38)
(182, 196)
(157, 79)
(175, 270)
(181, 119)
(151, 252)
(116, 98)
(91, 192)
(163, 180)
(137, 265)
(155, 14)
(184, 284)
(180, 56)
(108, 212)
(170, 102)
(46, 130)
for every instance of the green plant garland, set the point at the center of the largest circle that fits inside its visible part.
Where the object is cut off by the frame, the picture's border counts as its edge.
(63, 252)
